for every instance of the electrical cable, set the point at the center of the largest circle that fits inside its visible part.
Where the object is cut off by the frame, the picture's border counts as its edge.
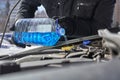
(6, 23)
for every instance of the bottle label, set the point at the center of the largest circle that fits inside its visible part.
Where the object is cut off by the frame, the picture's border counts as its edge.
(44, 28)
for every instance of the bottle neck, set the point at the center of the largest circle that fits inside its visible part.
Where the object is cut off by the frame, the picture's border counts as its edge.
(59, 29)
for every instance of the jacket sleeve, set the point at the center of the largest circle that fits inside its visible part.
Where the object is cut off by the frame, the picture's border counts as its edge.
(101, 19)
(27, 8)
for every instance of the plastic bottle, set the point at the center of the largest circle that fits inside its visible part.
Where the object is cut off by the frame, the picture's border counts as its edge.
(38, 31)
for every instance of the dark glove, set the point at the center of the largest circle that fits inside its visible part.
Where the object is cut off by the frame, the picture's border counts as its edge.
(68, 24)
(12, 28)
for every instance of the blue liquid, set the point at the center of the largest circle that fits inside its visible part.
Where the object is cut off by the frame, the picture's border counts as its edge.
(45, 39)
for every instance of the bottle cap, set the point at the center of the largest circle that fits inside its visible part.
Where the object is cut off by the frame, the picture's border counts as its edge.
(61, 31)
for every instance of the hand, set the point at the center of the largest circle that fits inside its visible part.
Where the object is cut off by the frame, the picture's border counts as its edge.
(111, 40)
(12, 28)
(68, 24)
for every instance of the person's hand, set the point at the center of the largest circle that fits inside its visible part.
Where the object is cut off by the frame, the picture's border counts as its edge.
(68, 24)
(111, 41)
(12, 28)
